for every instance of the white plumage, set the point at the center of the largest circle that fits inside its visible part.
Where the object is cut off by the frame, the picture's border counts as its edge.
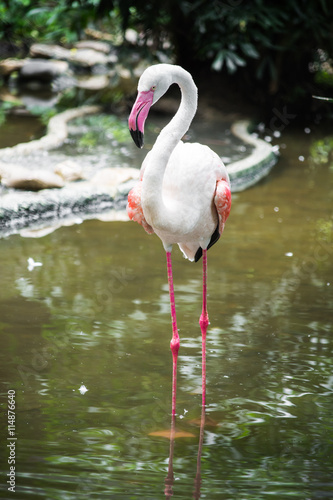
(178, 180)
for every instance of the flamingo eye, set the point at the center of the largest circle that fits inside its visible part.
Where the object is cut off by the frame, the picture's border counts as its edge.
(153, 88)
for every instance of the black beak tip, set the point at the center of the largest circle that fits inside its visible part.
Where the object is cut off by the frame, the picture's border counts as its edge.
(137, 137)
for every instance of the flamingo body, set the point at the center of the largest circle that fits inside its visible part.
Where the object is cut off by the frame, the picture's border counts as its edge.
(195, 191)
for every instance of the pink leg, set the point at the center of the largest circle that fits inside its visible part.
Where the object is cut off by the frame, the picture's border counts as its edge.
(174, 344)
(204, 322)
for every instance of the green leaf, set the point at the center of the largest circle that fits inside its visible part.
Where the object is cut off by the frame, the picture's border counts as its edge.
(218, 61)
(239, 61)
(230, 63)
(249, 50)
(329, 99)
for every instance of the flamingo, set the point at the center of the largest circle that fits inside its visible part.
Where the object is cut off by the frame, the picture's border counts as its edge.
(183, 193)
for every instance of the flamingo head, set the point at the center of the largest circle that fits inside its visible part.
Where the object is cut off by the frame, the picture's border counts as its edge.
(138, 115)
(153, 83)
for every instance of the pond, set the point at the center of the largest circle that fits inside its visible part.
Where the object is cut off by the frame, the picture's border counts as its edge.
(85, 332)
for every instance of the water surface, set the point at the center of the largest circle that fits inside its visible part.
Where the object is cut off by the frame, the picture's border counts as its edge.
(85, 345)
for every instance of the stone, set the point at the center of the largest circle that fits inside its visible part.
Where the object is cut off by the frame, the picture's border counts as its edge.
(131, 36)
(87, 57)
(69, 170)
(103, 47)
(113, 176)
(113, 58)
(13, 176)
(8, 66)
(94, 82)
(49, 51)
(41, 69)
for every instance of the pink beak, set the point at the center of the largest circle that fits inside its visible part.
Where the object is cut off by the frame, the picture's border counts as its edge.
(139, 113)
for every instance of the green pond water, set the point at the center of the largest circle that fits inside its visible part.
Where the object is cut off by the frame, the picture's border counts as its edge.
(85, 346)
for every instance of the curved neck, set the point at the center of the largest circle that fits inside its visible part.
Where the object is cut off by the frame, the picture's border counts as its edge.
(180, 123)
(167, 140)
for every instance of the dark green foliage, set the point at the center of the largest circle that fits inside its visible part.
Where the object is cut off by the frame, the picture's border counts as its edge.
(271, 47)
(270, 51)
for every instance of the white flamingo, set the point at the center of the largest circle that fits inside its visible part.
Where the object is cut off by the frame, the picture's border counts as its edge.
(183, 194)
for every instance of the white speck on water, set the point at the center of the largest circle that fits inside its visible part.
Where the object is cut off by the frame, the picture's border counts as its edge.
(32, 264)
(328, 283)
(83, 389)
(307, 130)
(268, 138)
(277, 133)
(301, 158)
(289, 254)
(276, 209)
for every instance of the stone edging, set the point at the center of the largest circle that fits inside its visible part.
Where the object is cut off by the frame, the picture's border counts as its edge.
(50, 206)
(56, 133)
(250, 170)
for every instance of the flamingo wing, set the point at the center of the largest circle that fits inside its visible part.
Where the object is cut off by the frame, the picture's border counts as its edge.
(134, 208)
(222, 202)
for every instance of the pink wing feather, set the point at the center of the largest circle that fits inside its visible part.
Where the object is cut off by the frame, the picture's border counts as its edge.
(134, 208)
(222, 200)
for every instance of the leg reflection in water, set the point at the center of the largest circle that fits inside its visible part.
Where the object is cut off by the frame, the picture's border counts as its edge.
(169, 480)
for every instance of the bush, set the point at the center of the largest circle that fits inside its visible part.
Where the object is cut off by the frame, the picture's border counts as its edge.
(271, 51)
(270, 46)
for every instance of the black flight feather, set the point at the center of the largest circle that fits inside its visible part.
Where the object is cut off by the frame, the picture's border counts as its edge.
(215, 237)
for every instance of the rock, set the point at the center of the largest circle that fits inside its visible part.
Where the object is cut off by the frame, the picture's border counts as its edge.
(113, 58)
(69, 170)
(114, 176)
(41, 69)
(6, 169)
(8, 66)
(131, 36)
(103, 47)
(63, 82)
(87, 57)
(115, 39)
(94, 82)
(49, 51)
(17, 177)
(45, 100)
